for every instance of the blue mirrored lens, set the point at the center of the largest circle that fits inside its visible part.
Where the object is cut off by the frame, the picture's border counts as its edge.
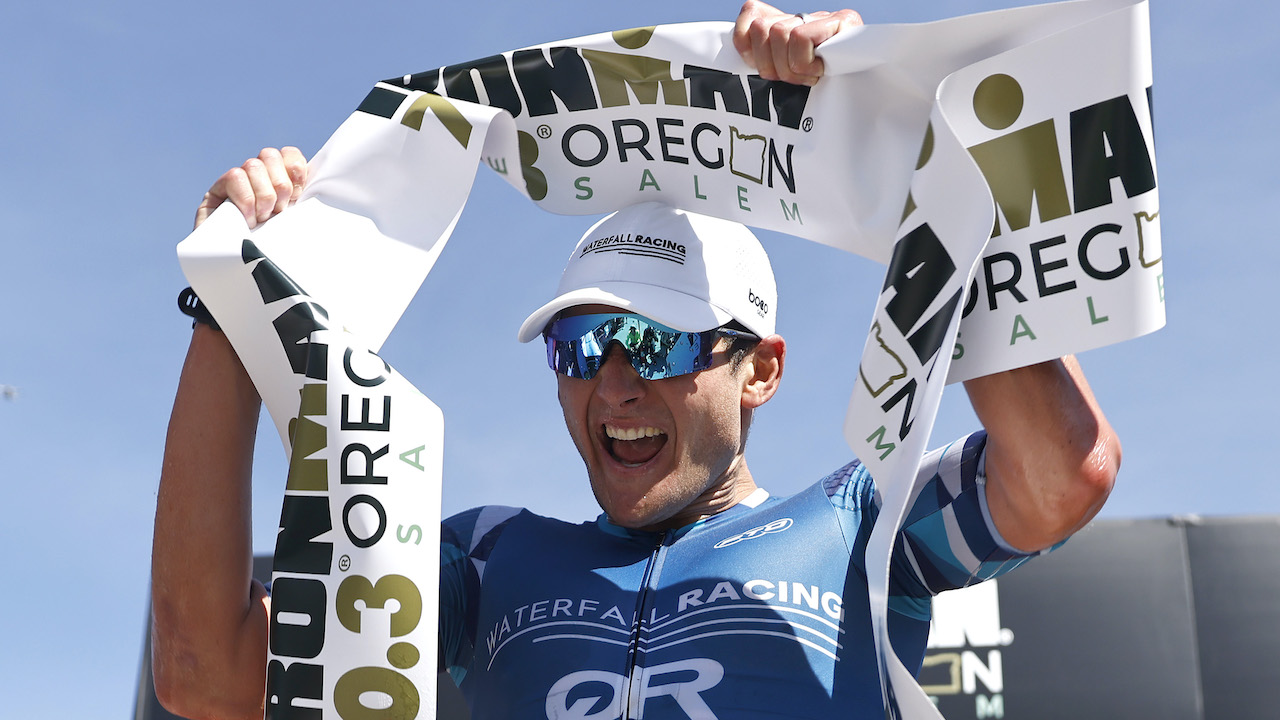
(576, 346)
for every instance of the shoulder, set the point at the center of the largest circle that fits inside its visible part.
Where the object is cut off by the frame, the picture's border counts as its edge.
(851, 487)
(484, 525)
(480, 525)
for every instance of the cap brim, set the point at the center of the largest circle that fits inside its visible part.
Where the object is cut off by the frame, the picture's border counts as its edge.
(673, 309)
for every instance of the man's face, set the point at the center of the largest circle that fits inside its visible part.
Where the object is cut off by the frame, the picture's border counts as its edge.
(653, 448)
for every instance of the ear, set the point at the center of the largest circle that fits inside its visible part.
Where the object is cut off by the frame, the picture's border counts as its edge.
(762, 371)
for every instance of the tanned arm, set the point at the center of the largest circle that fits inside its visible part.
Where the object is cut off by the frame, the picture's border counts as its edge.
(1052, 457)
(209, 617)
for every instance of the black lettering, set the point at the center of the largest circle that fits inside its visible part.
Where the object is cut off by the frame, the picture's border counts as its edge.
(295, 325)
(381, 102)
(459, 83)
(706, 83)
(665, 141)
(1041, 267)
(571, 156)
(303, 518)
(788, 175)
(361, 381)
(346, 520)
(908, 393)
(364, 423)
(565, 76)
(1110, 124)
(294, 328)
(624, 145)
(693, 143)
(919, 269)
(367, 477)
(1011, 285)
(273, 283)
(297, 596)
(928, 339)
(284, 685)
(1092, 270)
(970, 298)
(789, 100)
(425, 81)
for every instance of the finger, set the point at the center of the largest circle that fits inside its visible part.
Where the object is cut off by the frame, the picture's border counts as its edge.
(801, 57)
(295, 163)
(233, 185)
(781, 39)
(825, 25)
(206, 206)
(278, 176)
(743, 40)
(761, 53)
(802, 50)
(264, 193)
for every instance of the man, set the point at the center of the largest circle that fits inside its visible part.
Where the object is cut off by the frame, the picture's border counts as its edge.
(695, 594)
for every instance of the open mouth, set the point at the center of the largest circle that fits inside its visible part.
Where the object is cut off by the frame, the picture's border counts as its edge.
(633, 447)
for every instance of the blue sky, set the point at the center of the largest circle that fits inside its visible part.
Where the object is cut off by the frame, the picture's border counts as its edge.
(118, 116)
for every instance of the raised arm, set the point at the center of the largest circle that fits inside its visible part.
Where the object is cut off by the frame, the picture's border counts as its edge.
(1052, 457)
(209, 618)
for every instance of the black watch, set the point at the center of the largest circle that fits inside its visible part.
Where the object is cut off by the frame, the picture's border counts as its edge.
(190, 305)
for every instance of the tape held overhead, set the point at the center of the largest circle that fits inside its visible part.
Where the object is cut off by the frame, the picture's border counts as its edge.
(1001, 165)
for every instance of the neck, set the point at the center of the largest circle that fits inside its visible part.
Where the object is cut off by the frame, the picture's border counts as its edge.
(732, 488)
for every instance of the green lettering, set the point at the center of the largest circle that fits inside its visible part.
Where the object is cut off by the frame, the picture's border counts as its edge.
(1093, 316)
(793, 213)
(878, 437)
(498, 165)
(414, 534)
(417, 459)
(1021, 329)
(647, 179)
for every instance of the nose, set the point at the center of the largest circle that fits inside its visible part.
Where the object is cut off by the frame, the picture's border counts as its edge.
(617, 383)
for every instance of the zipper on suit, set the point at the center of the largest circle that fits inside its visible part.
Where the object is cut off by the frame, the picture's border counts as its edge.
(634, 686)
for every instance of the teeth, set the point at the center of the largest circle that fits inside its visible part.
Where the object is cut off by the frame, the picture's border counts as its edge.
(632, 433)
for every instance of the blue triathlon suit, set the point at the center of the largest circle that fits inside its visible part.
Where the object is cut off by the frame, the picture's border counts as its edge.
(758, 612)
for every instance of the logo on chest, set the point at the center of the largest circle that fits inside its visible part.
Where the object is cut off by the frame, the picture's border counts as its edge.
(777, 526)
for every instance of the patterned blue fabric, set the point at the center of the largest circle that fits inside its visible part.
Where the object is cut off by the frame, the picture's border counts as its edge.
(758, 612)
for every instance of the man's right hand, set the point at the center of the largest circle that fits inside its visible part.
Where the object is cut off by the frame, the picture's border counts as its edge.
(261, 187)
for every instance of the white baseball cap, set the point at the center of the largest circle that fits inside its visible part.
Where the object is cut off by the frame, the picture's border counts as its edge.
(688, 271)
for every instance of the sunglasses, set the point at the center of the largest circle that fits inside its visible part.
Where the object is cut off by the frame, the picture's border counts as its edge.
(576, 345)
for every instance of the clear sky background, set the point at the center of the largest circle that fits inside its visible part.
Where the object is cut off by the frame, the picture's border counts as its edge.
(117, 116)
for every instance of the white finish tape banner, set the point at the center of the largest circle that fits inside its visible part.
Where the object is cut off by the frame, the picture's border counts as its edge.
(1000, 164)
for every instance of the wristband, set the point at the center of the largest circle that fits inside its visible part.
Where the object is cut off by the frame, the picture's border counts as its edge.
(189, 304)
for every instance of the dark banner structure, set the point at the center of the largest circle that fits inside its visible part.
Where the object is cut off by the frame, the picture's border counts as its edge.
(1176, 619)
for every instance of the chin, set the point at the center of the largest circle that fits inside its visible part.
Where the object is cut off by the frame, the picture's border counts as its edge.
(635, 518)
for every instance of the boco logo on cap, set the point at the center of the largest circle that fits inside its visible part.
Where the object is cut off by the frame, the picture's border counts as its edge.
(762, 307)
